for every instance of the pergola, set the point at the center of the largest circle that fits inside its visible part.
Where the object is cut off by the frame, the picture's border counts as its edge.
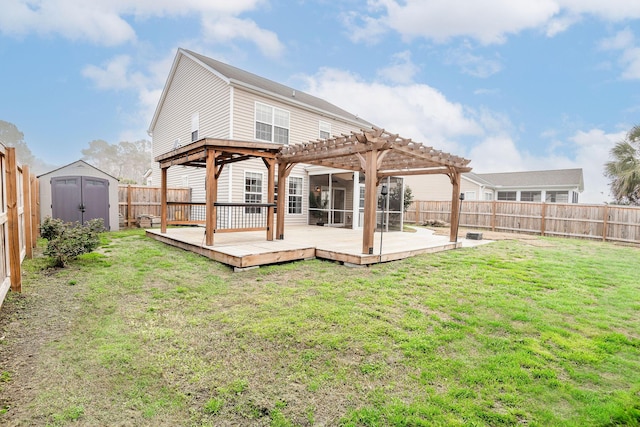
(375, 152)
(378, 154)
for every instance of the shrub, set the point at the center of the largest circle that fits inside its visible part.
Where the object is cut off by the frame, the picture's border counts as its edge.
(66, 241)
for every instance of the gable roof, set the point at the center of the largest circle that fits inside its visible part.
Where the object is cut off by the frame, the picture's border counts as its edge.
(80, 163)
(237, 77)
(544, 178)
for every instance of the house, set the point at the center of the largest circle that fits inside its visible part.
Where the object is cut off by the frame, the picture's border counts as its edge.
(551, 186)
(205, 98)
(223, 132)
(79, 192)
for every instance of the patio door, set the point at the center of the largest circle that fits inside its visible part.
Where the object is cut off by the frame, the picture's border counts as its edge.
(361, 207)
(338, 203)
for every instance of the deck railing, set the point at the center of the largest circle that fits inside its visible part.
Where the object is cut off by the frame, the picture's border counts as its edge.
(229, 216)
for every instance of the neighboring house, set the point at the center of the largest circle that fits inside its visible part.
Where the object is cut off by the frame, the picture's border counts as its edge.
(205, 98)
(551, 186)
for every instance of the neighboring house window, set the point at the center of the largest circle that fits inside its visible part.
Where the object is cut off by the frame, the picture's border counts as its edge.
(488, 196)
(295, 195)
(470, 195)
(557, 197)
(272, 124)
(574, 197)
(325, 130)
(195, 126)
(252, 191)
(530, 196)
(507, 195)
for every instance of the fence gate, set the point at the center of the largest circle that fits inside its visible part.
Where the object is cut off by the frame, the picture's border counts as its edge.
(80, 198)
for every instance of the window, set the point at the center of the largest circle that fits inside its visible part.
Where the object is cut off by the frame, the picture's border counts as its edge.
(470, 195)
(507, 195)
(557, 197)
(252, 191)
(530, 196)
(574, 197)
(195, 126)
(295, 195)
(325, 130)
(272, 124)
(488, 196)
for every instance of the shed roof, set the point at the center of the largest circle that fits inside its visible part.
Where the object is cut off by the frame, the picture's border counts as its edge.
(541, 178)
(80, 163)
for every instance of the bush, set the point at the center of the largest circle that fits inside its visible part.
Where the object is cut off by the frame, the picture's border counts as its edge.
(66, 241)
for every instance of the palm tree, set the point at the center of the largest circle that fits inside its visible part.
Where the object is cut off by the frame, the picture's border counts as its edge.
(624, 169)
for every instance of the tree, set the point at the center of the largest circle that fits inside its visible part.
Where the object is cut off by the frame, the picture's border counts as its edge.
(127, 161)
(11, 136)
(624, 169)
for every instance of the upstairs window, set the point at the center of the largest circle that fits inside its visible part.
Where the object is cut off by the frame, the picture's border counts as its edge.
(195, 126)
(325, 130)
(272, 124)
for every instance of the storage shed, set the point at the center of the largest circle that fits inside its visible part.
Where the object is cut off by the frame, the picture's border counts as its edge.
(79, 192)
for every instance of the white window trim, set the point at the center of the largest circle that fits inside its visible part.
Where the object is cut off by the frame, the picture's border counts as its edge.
(327, 128)
(301, 195)
(244, 186)
(195, 126)
(272, 123)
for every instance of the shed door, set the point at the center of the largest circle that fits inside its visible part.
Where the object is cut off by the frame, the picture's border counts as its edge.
(80, 199)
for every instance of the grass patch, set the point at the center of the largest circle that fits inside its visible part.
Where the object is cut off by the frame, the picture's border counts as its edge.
(501, 334)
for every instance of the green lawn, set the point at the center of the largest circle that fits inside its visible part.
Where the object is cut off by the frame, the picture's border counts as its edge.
(503, 334)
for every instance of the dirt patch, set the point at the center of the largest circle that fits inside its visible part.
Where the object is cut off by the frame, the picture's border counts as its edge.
(495, 235)
(30, 322)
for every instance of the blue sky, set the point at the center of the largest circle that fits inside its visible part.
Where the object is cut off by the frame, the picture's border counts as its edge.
(511, 85)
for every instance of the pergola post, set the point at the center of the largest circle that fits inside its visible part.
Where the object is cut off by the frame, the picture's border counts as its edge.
(454, 176)
(271, 164)
(283, 172)
(370, 180)
(211, 186)
(163, 200)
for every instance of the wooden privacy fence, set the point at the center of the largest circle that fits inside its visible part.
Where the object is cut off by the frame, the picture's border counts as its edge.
(137, 200)
(606, 222)
(19, 219)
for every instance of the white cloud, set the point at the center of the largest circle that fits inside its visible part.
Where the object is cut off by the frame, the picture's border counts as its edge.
(221, 29)
(424, 114)
(629, 60)
(115, 74)
(104, 22)
(474, 65)
(412, 110)
(487, 21)
(402, 70)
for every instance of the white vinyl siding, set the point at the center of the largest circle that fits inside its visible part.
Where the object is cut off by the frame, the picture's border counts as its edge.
(295, 195)
(191, 88)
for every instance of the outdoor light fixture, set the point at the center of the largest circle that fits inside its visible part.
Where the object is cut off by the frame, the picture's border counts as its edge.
(459, 214)
(383, 192)
(317, 188)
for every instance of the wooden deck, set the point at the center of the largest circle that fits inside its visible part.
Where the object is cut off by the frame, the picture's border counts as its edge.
(250, 249)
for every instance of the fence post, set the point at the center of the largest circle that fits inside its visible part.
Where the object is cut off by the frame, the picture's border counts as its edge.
(543, 219)
(26, 205)
(13, 226)
(605, 222)
(35, 211)
(130, 220)
(417, 205)
(493, 215)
